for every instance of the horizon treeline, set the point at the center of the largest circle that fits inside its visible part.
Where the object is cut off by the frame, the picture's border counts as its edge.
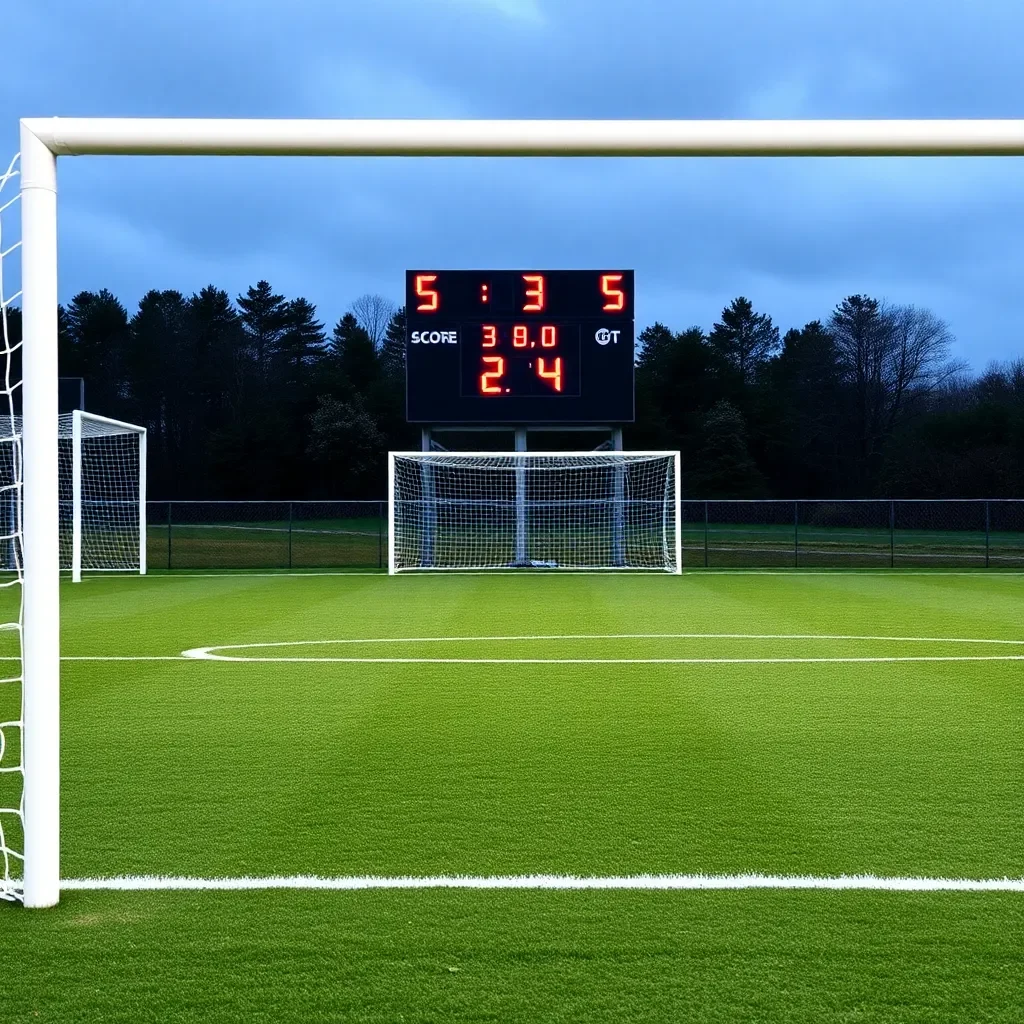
(254, 397)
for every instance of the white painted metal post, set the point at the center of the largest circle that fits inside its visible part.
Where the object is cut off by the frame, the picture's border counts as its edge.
(391, 514)
(41, 635)
(76, 496)
(142, 503)
(678, 497)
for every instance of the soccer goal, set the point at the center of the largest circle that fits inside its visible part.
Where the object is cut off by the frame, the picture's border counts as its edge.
(597, 511)
(102, 504)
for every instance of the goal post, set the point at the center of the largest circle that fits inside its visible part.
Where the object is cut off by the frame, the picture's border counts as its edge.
(44, 139)
(103, 494)
(102, 487)
(584, 511)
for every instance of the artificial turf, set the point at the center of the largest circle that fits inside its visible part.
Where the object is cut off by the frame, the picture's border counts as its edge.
(215, 769)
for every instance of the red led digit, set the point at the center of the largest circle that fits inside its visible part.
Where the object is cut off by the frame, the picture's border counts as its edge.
(616, 296)
(490, 336)
(548, 337)
(431, 299)
(486, 387)
(554, 374)
(536, 293)
(519, 336)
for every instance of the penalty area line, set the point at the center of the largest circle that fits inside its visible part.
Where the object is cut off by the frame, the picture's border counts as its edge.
(139, 883)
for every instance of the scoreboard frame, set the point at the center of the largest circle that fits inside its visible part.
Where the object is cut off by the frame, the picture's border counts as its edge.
(507, 347)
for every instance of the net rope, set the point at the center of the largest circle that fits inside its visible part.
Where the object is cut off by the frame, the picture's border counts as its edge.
(12, 767)
(596, 511)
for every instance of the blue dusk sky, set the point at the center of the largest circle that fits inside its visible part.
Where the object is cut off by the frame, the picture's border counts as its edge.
(794, 235)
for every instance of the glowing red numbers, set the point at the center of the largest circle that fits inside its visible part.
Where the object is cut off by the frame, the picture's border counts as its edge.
(534, 293)
(551, 373)
(431, 298)
(489, 378)
(616, 297)
(548, 369)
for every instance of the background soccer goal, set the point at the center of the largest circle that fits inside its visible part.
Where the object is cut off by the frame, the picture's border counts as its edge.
(599, 510)
(102, 493)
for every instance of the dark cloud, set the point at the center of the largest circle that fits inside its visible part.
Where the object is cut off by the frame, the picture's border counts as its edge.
(795, 235)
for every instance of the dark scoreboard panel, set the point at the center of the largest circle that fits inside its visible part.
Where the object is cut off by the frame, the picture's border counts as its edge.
(519, 346)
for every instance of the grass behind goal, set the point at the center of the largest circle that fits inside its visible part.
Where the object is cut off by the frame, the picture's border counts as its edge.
(541, 760)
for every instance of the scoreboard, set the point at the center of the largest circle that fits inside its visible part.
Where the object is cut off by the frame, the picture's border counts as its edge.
(511, 346)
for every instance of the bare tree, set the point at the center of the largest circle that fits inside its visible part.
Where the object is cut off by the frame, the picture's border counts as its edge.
(374, 313)
(894, 357)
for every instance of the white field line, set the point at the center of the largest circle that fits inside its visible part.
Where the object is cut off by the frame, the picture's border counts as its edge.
(193, 656)
(137, 883)
(213, 653)
(585, 661)
(692, 573)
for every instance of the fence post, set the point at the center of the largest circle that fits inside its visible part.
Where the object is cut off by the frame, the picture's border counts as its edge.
(796, 534)
(169, 506)
(705, 534)
(892, 534)
(290, 517)
(988, 530)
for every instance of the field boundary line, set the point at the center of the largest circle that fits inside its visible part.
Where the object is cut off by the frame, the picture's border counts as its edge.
(896, 573)
(138, 883)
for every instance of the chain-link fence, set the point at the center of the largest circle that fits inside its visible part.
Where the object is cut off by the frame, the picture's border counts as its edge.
(267, 534)
(854, 534)
(716, 534)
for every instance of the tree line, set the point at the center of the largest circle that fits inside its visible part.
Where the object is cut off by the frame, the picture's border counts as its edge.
(252, 397)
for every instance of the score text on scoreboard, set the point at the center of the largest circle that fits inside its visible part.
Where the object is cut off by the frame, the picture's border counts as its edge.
(511, 346)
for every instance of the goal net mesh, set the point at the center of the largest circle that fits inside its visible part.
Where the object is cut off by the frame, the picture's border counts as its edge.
(594, 510)
(12, 768)
(110, 493)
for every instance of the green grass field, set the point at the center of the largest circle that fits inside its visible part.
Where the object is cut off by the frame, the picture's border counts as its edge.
(714, 723)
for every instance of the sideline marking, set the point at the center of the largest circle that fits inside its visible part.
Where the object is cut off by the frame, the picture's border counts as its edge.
(212, 653)
(136, 883)
(693, 573)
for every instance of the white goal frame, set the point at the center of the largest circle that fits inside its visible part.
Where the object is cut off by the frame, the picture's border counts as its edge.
(596, 454)
(78, 417)
(43, 140)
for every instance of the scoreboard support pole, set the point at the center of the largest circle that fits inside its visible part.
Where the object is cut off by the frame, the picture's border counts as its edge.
(618, 505)
(522, 555)
(429, 504)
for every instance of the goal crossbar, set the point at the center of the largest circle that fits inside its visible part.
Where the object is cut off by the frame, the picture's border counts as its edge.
(44, 139)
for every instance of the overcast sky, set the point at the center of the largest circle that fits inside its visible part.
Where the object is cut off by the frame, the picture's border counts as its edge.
(794, 235)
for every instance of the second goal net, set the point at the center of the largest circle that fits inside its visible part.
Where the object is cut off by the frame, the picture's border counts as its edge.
(602, 510)
(102, 464)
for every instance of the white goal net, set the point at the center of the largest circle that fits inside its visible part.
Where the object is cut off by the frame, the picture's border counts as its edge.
(600, 510)
(12, 766)
(102, 493)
